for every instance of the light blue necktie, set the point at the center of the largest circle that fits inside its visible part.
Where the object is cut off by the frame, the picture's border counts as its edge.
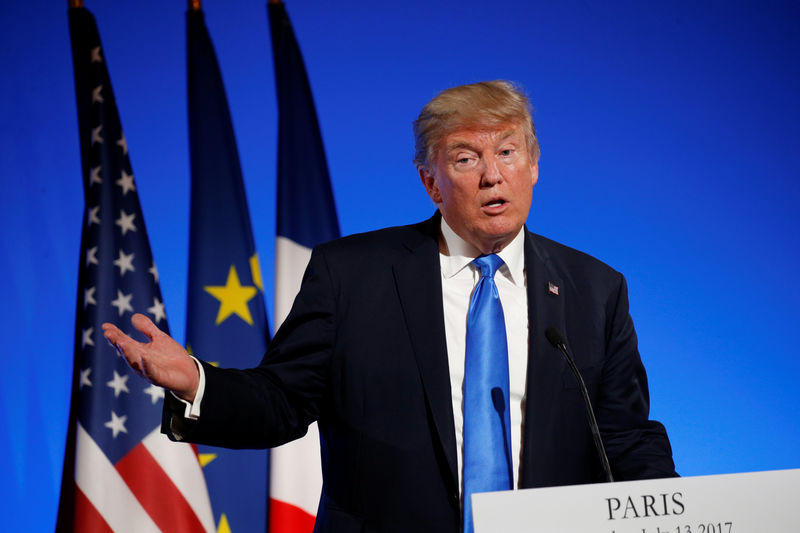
(487, 431)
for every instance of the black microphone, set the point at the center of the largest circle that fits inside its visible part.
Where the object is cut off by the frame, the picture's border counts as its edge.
(558, 343)
(500, 406)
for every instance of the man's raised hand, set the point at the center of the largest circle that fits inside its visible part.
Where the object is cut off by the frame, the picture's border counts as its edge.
(161, 361)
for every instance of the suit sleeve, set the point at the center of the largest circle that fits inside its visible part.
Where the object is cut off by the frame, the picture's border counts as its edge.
(637, 447)
(275, 402)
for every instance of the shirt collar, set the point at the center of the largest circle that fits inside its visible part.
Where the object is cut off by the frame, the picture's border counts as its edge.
(460, 253)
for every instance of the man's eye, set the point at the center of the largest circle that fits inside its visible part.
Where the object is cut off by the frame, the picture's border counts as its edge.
(507, 152)
(463, 160)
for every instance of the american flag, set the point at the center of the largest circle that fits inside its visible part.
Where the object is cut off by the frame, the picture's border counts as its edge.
(121, 473)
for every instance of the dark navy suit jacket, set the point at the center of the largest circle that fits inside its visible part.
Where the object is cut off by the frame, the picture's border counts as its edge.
(363, 352)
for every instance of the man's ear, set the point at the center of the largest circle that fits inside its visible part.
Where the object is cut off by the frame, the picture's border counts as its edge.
(534, 173)
(430, 184)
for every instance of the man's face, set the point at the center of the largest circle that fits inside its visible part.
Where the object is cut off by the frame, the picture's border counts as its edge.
(482, 182)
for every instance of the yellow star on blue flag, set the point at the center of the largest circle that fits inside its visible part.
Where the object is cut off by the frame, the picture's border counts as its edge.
(233, 298)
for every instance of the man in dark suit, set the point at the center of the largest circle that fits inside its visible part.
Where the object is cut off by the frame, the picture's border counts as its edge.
(374, 347)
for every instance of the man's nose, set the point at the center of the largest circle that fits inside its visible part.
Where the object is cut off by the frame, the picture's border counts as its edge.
(491, 173)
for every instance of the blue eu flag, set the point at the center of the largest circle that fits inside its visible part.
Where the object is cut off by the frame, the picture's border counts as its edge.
(226, 321)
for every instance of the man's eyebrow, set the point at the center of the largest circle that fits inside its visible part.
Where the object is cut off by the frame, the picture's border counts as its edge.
(506, 134)
(456, 145)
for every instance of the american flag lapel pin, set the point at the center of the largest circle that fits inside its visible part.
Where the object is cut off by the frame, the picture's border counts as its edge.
(552, 288)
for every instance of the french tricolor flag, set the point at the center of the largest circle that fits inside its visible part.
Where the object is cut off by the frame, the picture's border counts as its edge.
(306, 217)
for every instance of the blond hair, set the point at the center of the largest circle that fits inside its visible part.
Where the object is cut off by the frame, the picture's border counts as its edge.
(487, 104)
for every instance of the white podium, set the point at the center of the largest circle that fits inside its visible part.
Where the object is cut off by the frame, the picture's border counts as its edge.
(757, 502)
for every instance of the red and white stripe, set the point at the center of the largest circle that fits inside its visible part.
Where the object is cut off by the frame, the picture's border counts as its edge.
(157, 486)
(295, 468)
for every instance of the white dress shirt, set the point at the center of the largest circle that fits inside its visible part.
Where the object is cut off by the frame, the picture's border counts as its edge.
(459, 278)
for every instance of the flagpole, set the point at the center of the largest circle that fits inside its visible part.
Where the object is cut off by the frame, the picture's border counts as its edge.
(195, 5)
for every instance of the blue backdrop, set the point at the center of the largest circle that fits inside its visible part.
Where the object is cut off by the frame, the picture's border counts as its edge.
(669, 137)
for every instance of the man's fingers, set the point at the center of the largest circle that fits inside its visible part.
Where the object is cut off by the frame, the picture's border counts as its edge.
(116, 337)
(127, 347)
(145, 325)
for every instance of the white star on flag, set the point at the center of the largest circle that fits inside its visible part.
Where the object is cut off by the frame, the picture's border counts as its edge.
(117, 424)
(95, 177)
(93, 215)
(126, 182)
(124, 262)
(96, 96)
(125, 221)
(87, 337)
(96, 57)
(123, 302)
(124, 144)
(119, 384)
(96, 138)
(154, 271)
(88, 297)
(157, 310)
(155, 392)
(91, 256)
(85, 378)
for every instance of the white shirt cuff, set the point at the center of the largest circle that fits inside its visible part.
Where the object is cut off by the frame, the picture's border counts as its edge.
(192, 410)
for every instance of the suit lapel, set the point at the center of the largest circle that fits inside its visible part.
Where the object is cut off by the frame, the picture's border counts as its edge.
(545, 308)
(419, 285)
